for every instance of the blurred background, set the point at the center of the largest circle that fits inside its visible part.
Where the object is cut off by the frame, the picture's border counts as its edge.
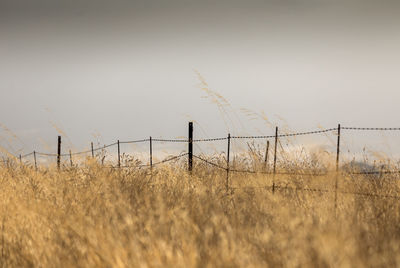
(98, 71)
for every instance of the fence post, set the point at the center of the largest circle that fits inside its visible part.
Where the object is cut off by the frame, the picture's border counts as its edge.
(151, 153)
(275, 156)
(337, 168)
(34, 158)
(119, 155)
(190, 147)
(228, 162)
(20, 160)
(59, 152)
(70, 158)
(91, 145)
(338, 149)
(266, 157)
(104, 156)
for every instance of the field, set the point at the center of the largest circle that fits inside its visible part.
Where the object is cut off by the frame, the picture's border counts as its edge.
(90, 216)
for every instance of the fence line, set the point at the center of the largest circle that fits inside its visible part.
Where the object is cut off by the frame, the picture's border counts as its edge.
(194, 140)
(227, 167)
(276, 137)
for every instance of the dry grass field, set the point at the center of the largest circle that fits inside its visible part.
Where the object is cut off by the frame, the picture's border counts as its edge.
(97, 217)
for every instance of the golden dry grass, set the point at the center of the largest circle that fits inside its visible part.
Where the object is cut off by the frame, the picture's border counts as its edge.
(95, 217)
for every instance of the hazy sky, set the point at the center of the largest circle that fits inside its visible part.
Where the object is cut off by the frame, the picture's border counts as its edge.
(129, 69)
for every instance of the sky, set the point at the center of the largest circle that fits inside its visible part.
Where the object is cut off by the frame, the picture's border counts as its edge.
(107, 70)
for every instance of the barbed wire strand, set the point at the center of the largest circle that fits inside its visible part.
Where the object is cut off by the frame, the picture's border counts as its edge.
(308, 133)
(279, 187)
(170, 140)
(210, 139)
(94, 150)
(372, 128)
(26, 155)
(76, 153)
(46, 154)
(134, 141)
(209, 162)
(148, 165)
(170, 159)
(285, 135)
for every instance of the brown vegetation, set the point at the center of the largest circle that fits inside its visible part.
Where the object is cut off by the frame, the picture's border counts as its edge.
(97, 217)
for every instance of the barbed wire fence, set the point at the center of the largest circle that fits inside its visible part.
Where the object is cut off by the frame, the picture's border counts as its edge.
(226, 168)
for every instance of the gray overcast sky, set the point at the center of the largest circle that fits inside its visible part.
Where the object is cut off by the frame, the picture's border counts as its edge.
(127, 69)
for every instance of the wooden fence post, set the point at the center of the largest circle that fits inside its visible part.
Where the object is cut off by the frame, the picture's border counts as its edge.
(337, 168)
(119, 155)
(34, 158)
(104, 156)
(228, 162)
(20, 160)
(190, 147)
(70, 158)
(91, 145)
(338, 149)
(266, 157)
(59, 152)
(275, 156)
(151, 153)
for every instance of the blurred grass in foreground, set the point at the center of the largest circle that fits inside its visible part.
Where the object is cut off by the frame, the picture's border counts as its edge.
(91, 216)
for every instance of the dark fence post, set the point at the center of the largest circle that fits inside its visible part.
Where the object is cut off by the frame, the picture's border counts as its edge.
(338, 149)
(70, 158)
(20, 159)
(275, 156)
(190, 147)
(119, 155)
(59, 152)
(34, 158)
(275, 149)
(151, 153)
(104, 155)
(91, 145)
(266, 157)
(228, 162)
(337, 168)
